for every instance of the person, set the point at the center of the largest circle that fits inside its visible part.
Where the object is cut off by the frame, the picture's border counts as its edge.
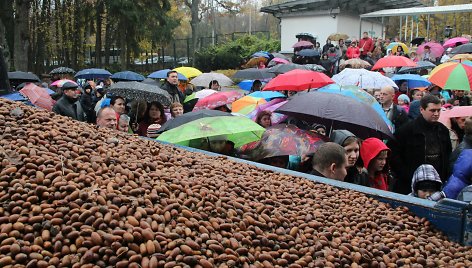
(446, 57)
(153, 131)
(421, 141)
(123, 123)
(464, 145)
(256, 86)
(327, 64)
(426, 55)
(416, 94)
(86, 100)
(176, 109)
(399, 51)
(221, 145)
(318, 48)
(330, 161)
(171, 86)
(327, 46)
(68, 105)
(214, 85)
(377, 94)
(394, 113)
(460, 99)
(402, 87)
(342, 48)
(154, 115)
(351, 145)
(404, 102)
(117, 103)
(461, 175)
(414, 111)
(264, 119)
(320, 129)
(366, 45)
(374, 154)
(106, 118)
(425, 182)
(414, 57)
(353, 52)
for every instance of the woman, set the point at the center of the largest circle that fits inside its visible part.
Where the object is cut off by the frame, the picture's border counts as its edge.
(414, 57)
(154, 115)
(416, 94)
(118, 104)
(353, 51)
(318, 48)
(214, 85)
(264, 119)
(327, 45)
(400, 51)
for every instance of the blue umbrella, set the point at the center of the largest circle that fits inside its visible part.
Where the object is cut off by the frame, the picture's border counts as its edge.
(308, 53)
(267, 95)
(162, 74)
(127, 76)
(264, 54)
(92, 74)
(413, 80)
(246, 84)
(359, 95)
(14, 97)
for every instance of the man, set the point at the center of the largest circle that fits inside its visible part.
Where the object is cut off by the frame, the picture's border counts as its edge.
(377, 95)
(171, 87)
(460, 99)
(106, 118)
(421, 141)
(396, 114)
(366, 45)
(68, 104)
(330, 161)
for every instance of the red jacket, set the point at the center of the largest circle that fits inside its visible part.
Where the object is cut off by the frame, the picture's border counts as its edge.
(370, 148)
(353, 52)
(367, 44)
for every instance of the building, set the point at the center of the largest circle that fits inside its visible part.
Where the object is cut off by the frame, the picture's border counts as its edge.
(324, 17)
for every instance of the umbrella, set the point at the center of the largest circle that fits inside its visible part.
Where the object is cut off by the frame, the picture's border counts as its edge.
(420, 65)
(189, 72)
(254, 62)
(340, 112)
(298, 80)
(303, 44)
(394, 47)
(23, 76)
(417, 41)
(414, 80)
(308, 53)
(270, 106)
(267, 95)
(216, 100)
(16, 96)
(282, 140)
(127, 76)
(38, 96)
(189, 117)
(264, 54)
(140, 91)
(238, 129)
(461, 57)
(204, 80)
(200, 94)
(359, 95)
(456, 111)
(283, 68)
(92, 74)
(246, 84)
(453, 41)
(452, 75)
(276, 61)
(363, 79)
(315, 67)
(59, 83)
(436, 49)
(162, 74)
(62, 70)
(337, 36)
(462, 49)
(253, 74)
(246, 104)
(355, 64)
(151, 82)
(281, 56)
(393, 61)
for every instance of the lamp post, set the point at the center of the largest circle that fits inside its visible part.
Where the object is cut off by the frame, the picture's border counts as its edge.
(448, 31)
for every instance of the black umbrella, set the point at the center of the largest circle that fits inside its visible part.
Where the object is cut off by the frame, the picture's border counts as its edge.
(62, 70)
(23, 76)
(253, 74)
(140, 91)
(417, 41)
(421, 65)
(462, 49)
(337, 112)
(283, 68)
(309, 53)
(189, 117)
(151, 82)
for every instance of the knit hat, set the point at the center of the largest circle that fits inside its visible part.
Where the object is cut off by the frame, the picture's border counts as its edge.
(404, 98)
(152, 130)
(425, 178)
(340, 136)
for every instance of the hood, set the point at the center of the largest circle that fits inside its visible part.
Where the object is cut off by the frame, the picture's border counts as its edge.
(425, 173)
(370, 148)
(340, 136)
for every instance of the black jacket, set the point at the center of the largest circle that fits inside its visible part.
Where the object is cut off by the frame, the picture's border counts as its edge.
(68, 107)
(408, 151)
(399, 116)
(174, 91)
(89, 109)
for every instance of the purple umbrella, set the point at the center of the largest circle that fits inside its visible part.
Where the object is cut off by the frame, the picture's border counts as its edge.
(270, 106)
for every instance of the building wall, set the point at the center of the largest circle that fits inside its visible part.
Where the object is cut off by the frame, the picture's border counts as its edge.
(349, 24)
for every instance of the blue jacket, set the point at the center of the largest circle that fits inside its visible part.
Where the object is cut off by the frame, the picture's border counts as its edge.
(461, 176)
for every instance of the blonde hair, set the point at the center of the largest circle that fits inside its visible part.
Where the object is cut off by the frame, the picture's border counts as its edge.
(175, 104)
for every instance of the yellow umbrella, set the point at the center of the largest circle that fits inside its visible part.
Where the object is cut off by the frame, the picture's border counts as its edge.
(394, 46)
(189, 72)
(461, 57)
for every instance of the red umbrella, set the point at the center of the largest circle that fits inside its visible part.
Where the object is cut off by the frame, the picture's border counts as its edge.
(298, 80)
(394, 61)
(436, 49)
(303, 44)
(216, 100)
(38, 96)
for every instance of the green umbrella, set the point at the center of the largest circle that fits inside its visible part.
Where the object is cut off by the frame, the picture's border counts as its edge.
(238, 129)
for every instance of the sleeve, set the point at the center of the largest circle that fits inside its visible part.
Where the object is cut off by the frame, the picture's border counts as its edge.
(461, 175)
(396, 160)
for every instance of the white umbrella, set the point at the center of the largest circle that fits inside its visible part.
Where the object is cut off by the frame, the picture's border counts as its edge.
(204, 93)
(363, 79)
(204, 80)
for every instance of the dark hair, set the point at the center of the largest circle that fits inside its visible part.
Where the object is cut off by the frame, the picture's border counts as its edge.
(171, 72)
(468, 126)
(429, 99)
(147, 118)
(213, 82)
(328, 153)
(262, 114)
(114, 98)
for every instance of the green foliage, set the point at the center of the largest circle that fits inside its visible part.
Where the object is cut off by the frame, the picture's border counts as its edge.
(231, 55)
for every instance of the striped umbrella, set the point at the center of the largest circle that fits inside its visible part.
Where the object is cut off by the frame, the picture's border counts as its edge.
(452, 75)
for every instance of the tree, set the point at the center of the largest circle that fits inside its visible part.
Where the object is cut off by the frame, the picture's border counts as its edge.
(22, 40)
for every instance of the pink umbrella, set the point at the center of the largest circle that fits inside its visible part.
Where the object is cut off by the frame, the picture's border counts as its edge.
(216, 100)
(38, 96)
(303, 44)
(279, 60)
(270, 106)
(453, 41)
(59, 83)
(436, 49)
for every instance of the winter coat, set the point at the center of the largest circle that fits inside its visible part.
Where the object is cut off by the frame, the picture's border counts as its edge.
(353, 52)
(461, 175)
(367, 44)
(69, 107)
(174, 92)
(409, 150)
(465, 144)
(370, 149)
(87, 104)
(399, 116)
(424, 173)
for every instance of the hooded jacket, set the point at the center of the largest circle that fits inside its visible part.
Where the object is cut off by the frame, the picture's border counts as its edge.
(461, 175)
(370, 149)
(340, 136)
(424, 173)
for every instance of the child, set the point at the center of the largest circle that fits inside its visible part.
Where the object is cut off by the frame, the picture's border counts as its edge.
(404, 102)
(374, 154)
(425, 181)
